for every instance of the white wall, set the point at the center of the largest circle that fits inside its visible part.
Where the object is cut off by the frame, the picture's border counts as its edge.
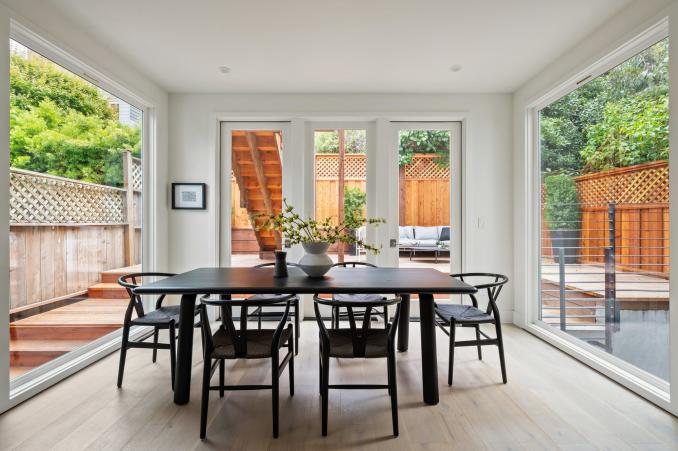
(60, 32)
(193, 139)
(633, 20)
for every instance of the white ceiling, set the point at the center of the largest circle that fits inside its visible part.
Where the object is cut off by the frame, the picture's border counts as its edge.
(341, 46)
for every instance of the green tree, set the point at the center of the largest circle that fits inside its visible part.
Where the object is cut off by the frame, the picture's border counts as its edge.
(598, 116)
(355, 141)
(62, 125)
(424, 141)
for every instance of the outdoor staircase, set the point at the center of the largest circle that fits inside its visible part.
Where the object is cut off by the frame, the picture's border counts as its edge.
(257, 170)
(45, 336)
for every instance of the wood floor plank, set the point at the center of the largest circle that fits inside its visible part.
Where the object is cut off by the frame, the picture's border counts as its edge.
(550, 402)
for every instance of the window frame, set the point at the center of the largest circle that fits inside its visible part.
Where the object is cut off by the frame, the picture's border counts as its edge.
(50, 373)
(650, 387)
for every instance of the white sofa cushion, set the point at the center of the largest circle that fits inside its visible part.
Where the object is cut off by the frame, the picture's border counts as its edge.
(426, 233)
(407, 242)
(405, 232)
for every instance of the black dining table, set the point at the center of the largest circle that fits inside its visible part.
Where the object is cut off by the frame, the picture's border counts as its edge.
(425, 282)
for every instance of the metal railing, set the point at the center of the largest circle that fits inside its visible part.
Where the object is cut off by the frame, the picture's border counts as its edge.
(616, 258)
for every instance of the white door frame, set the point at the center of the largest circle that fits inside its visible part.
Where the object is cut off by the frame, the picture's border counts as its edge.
(225, 166)
(391, 257)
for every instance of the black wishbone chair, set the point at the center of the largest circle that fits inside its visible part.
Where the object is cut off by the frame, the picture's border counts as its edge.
(337, 315)
(452, 315)
(229, 343)
(163, 317)
(354, 342)
(282, 299)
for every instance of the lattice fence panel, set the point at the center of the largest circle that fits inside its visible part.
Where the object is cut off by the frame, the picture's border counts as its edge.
(327, 167)
(422, 167)
(641, 184)
(41, 199)
(136, 174)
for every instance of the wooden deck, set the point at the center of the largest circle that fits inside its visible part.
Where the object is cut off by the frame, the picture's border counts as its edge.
(45, 336)
(591, 279)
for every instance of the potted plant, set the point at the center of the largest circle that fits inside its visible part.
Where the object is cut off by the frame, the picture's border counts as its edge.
(317, 236)
(563, 215)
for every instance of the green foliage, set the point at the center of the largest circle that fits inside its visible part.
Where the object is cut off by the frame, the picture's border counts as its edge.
(424, 141)
(355, 141)
(562, 202)
(354, 204)
(36, 79)
(62, 125)
(634, 130)
(297, 230)
(591, 119)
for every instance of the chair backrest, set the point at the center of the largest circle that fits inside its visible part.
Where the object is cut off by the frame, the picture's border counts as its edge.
(131, 282)
(358, 335)
(354, 264)
(238, 336)
(491, 282)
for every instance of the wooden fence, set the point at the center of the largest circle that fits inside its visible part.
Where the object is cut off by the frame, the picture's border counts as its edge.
(640, 195)
(64, 233)
(425, 189)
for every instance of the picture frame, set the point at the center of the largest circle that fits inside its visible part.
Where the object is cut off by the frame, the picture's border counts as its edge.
(189, 196)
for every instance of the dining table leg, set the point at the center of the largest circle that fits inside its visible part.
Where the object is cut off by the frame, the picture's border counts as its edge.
(429, 356)
(404, 323)
(182, 380)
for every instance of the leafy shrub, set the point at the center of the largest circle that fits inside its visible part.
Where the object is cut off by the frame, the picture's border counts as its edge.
(62, 125)
(424, 141)
(562, 202)
(328, 141)
(354, 204)
(634, 130)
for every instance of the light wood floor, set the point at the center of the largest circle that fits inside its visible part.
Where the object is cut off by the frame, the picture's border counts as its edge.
(550, 402)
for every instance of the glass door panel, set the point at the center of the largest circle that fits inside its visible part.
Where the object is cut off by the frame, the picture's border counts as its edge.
(75, 211)
(340, 182)
(604, 255)
(428, 197)
(256, 182)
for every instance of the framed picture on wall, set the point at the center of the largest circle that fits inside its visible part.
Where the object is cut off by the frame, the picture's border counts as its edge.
(189, 196)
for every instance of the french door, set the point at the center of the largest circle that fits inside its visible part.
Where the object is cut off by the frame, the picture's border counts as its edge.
(251, 184)
(424, 196)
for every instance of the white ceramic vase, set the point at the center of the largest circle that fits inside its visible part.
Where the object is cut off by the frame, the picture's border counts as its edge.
(315, 263)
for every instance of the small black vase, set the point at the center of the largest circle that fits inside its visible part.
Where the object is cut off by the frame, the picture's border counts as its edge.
(280, 264)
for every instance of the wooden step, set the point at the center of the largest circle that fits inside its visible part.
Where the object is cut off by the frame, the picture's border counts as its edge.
(84, 320)
(112, 275)
(32, 353)
(107, 290)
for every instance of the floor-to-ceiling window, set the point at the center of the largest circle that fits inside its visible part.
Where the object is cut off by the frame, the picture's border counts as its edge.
(604, 206)
(75, 209)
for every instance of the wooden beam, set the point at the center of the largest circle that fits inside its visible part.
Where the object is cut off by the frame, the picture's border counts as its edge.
(261, 179)
(240, 180)
(340, 206)
(129, 203)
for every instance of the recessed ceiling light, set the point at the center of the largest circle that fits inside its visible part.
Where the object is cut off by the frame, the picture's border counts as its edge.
(224, 69)
(455, 68)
